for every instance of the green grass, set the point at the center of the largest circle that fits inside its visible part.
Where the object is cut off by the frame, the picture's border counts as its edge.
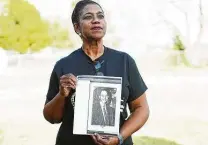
(1, 137)
(144, 140)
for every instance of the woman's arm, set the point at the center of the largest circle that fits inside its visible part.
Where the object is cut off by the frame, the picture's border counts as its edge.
(139, 114)
(53, 110)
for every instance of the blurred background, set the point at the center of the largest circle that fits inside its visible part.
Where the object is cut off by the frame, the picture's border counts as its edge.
(167, 38)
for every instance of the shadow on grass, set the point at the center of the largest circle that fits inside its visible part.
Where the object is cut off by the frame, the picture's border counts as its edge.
(145, 140)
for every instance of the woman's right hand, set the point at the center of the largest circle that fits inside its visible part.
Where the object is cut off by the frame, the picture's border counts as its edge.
(67, 83)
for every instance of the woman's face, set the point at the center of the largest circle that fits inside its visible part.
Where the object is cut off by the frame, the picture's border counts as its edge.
(92, 24)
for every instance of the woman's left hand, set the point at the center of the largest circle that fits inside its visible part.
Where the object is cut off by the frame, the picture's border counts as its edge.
(105, 140)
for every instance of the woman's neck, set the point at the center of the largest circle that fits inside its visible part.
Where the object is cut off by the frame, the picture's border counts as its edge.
(94, 49)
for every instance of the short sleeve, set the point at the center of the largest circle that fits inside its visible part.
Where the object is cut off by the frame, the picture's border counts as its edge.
(53, 87)
(137, 85)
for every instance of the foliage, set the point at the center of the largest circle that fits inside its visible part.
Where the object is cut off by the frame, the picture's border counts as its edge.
(178, 45)
(181, 55)
(144, 140)
(60, 36)
(22, 28)
(73, 3)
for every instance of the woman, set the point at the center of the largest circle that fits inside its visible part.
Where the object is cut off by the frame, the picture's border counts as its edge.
(89, 23)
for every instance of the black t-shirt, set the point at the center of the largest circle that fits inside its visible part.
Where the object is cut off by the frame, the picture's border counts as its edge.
(115, 63)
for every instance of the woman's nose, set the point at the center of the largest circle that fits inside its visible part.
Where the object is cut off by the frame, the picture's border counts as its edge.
(95, 20)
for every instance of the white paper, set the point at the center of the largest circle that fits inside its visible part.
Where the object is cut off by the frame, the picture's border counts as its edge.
(89, 93)
(81, 107)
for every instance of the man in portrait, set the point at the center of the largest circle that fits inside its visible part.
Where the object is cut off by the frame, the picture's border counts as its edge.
(102, 113)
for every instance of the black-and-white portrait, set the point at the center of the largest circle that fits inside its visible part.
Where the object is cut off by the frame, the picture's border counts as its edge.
(103, 107)
(97, 105)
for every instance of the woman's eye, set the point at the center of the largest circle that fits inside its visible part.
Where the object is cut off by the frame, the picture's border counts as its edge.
(91, 17)
(100, 16)
(87, 17)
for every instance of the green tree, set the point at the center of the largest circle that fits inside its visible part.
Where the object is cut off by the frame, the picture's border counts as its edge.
(179, 46)
(73, 3)
(60, 36)
(22, 29)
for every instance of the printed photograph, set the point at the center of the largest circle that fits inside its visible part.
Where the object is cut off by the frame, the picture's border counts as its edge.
(104, 104)
(104, 108)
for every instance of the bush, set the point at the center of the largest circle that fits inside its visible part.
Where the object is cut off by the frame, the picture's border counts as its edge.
(60, 36)
(22, 28)
(144, 140)
(180, 57)
(178, 45)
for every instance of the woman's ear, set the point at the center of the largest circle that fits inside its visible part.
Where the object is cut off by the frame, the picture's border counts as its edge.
(76, 29)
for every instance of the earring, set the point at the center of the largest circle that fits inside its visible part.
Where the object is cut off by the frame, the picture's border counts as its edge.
(79, 34)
